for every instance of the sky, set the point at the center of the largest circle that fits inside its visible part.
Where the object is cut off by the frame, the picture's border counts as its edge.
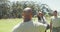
(53, 4)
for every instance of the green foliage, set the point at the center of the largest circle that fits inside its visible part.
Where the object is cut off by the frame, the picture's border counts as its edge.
(46, 9)
(6, 25)
(14, 9)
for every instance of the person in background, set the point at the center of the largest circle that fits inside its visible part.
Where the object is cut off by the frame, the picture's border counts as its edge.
(28, 25)
(55, 22)
(42, 19)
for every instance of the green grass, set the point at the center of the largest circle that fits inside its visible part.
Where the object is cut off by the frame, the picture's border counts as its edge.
(6, 25)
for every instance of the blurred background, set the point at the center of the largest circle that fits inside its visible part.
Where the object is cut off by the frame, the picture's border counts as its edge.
(11, 11)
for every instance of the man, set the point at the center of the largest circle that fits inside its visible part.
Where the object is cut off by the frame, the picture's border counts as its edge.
(42, 19)
(55, 23)
(28, 25)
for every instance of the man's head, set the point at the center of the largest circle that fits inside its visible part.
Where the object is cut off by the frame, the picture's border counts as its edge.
(55, 13)
(27, 14)
(40, 14)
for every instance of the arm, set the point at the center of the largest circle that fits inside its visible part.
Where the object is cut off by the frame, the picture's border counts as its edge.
(44, 20)
(43, 28)
(50, 26)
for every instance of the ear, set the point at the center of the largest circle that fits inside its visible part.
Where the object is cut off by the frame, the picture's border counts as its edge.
(22, 14)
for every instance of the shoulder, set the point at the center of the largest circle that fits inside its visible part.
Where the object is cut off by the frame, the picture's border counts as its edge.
(17, 26)
(58, 16)
(44, 17)
(40, 24)
(52, 17)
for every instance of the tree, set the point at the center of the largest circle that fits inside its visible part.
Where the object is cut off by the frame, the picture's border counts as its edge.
(46, 9)
(15, 9)
(4, 9)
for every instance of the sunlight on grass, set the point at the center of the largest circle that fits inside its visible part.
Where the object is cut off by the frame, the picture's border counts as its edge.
(6, 25)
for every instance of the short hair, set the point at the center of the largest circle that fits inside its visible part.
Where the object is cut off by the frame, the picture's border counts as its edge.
(55, 11)
(27, 9)
(40, 12)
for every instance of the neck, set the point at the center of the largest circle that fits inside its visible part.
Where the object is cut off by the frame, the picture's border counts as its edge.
(27, 20)
(55, 16)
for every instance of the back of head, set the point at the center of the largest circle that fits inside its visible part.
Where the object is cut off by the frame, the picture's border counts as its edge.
(27, 9)
(27, 14)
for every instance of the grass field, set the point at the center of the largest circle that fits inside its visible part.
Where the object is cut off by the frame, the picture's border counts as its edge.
(6, 25)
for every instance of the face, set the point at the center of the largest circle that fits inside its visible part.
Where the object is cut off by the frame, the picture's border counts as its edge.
(27, 15)
(55, 13)
(40, 14)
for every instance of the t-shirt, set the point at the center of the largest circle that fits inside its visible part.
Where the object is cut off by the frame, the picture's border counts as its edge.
(55, 21)
(30, 27)
(43, 20)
